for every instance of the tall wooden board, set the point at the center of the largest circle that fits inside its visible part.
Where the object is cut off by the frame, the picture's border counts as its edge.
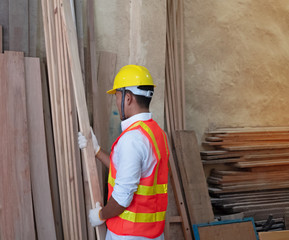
(16, 215)
(51, 155)
(42, 200)
(193, 177)
(102, 104)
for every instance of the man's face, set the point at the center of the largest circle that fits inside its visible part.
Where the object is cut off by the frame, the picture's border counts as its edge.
(118, 96)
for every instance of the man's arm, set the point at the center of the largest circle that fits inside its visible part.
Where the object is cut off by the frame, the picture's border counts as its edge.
(111, 209)
(103, 157)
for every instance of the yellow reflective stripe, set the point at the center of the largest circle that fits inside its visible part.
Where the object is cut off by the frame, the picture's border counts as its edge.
(150, 132)
(134, 125)
(152, 190)
(143, 217)
(166, 143)
(146, 190)
(111, 181)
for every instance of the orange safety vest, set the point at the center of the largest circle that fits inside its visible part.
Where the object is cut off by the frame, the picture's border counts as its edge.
(145, 216)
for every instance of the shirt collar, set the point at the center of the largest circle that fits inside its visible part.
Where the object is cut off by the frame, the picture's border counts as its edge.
(138, 117)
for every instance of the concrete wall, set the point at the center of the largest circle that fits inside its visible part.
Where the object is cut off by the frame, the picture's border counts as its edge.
(135, 31)
(236, 63)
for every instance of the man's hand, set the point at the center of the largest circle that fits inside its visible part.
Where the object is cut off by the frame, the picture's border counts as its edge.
(94, 217)
(82, 141)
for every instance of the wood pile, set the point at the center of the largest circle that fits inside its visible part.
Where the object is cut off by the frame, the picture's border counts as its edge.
(45, 188)
(25, 199)
(249, 173)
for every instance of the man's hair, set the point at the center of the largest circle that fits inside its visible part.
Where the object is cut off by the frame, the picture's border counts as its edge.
(143, 101)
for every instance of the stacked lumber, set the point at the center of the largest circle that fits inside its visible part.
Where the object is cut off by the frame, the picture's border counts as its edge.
(254, 180)
(25, 199)
(64, 125)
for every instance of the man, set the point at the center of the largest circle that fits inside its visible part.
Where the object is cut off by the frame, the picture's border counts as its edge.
(138, 164)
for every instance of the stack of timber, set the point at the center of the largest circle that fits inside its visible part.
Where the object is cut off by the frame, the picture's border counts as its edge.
(67, 94)
(25, 199)
(249, 173)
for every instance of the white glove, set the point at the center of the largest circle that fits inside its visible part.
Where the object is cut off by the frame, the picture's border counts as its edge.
(82, 141)
(94, 218)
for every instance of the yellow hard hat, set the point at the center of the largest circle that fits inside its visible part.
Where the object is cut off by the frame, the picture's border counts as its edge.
(131, 75)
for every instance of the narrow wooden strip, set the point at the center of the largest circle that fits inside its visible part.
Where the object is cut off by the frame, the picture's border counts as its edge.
(265, 163)
(222, 161)
(1, 39)
(42, 201)
(257, 147)
(247, 130)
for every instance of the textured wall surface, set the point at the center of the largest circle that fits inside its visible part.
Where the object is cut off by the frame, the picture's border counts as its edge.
(135, 30)
(236, 63)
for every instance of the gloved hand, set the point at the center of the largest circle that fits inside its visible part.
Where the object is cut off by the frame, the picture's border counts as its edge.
(82, 141)
(94, 218)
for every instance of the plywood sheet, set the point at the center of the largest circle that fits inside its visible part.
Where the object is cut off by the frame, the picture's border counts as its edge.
(16, 215)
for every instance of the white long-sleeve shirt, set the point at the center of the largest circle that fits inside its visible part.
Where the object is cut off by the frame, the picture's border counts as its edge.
(133, 159)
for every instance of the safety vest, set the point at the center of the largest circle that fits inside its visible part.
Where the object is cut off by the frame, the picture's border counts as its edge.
(145, 216)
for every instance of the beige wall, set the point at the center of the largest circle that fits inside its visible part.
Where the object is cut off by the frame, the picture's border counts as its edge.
(135, 31)
(236, 63)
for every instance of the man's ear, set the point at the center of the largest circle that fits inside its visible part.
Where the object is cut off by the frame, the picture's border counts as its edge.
(129, 98)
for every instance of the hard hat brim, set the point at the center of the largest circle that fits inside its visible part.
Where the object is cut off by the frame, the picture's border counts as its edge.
(112, 91)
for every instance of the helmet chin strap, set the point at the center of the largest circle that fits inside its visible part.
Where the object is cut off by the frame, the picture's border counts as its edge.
(122, 104)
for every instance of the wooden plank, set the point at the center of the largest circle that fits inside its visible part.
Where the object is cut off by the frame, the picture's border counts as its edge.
(88, 152)
(256, 147)
(275, 235)
(1, 39)
(265, 163)
(42, 201)
(51, 154)
(19, 26)
(222, 160)
(102, 103)
(179, 196)
(16, 215)
(247, 130)
(193, 177)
